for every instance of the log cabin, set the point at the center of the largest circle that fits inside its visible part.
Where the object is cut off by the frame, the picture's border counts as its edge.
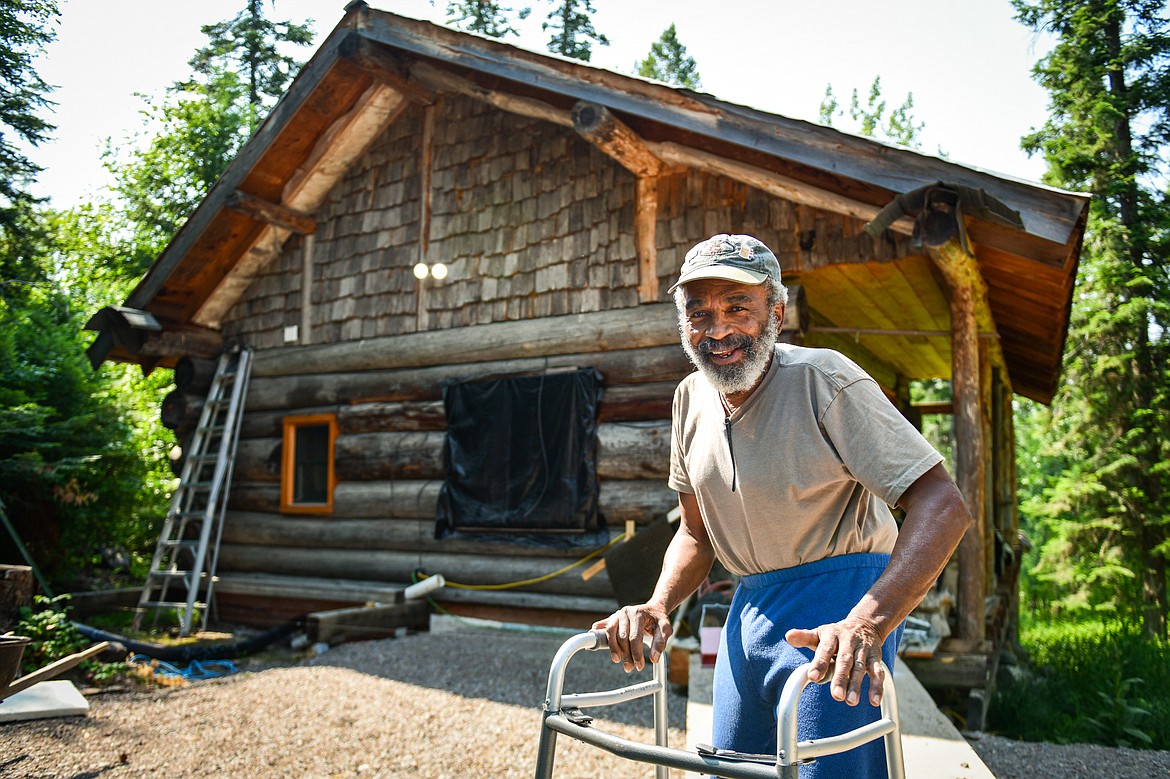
(559, 199)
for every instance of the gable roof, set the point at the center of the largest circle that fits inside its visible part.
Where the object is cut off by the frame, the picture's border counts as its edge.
(374, 64)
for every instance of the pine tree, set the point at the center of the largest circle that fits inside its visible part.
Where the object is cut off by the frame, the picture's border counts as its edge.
(249, 44)
(899, 125)
(1106, 520)
(485, 17)
(24, 32)
(669, 62)
(574, 29)
(161, 175)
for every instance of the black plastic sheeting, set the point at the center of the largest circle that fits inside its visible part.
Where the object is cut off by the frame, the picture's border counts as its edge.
(521, 459)
(191, 652)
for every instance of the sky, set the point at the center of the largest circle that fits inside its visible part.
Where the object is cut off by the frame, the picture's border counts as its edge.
(967, 64)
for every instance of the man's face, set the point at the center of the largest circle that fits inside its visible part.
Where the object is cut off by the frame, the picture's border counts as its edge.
(728, 331)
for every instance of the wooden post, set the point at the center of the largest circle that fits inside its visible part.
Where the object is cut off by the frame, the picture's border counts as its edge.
(599, 126)
(425, 158)
(306, 334)
(941, 236)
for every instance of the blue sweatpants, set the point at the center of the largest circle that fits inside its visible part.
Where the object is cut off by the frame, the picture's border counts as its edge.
(755, 661)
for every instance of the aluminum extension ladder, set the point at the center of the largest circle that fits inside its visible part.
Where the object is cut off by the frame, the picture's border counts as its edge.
(562, 713)
(188, 546)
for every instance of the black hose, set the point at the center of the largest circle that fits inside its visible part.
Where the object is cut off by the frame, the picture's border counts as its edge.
(187, 654)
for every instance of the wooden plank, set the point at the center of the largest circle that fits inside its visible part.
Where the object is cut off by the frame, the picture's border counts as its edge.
(968, 671)
(363, 623)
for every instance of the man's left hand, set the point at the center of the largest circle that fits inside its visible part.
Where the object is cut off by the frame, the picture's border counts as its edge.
(856, 648)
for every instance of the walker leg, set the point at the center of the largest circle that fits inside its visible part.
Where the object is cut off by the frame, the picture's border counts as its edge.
(545, 750)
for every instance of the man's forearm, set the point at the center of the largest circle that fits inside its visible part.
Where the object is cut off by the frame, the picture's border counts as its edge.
(685, 566)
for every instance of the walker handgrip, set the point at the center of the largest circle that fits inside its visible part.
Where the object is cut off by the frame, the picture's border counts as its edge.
(602, 640)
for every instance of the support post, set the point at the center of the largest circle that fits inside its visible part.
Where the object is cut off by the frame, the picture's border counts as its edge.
(941, 236)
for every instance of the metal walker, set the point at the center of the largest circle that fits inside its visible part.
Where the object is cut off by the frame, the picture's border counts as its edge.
(563, 714)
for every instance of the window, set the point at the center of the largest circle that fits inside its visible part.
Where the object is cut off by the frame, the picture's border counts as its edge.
(306, 473)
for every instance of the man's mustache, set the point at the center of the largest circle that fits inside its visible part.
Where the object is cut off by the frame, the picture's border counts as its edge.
(733, 341)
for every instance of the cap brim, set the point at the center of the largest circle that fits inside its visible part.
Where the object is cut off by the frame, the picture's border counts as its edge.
(738, 275)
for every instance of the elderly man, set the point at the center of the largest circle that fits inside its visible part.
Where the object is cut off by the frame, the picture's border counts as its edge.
(786, 461)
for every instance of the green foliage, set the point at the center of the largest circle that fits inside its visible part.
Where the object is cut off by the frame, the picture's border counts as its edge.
(1097, 500)
(54, 636)
(1087, 682)
(669, 62)
(164, 171)
(938, 429)
(250, 44)
(82, 453)
(485, 17)
(871, 119)
(24, 31)
(574, 33)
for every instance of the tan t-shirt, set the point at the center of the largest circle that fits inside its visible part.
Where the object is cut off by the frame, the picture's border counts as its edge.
(819, 452)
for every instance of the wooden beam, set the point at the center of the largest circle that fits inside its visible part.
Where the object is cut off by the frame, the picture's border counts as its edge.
(773, 183)
(444, 81)
(599, 126)
(376, 60)
(271, 213)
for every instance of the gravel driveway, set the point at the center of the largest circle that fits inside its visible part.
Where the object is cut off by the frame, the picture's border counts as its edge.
(441, 704)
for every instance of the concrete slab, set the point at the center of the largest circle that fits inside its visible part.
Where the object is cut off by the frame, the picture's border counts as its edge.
(931, 746)
(43, 700)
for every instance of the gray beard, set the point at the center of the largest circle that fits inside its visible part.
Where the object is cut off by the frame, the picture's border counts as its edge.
(743, 375)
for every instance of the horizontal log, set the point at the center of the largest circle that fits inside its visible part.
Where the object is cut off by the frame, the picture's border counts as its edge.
(333, 532)
(626, 328)
(194, 375)
(260, 585)
(180, 410)
(625, 450)
(623, 403)
(626, 366)
(638, 501)
(391, 566)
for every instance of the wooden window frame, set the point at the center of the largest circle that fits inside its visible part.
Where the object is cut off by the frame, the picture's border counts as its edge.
(288, 464)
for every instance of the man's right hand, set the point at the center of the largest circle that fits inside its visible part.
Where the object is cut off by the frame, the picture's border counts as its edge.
(624, 629)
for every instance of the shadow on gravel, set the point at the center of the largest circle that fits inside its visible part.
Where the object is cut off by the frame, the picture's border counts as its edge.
(497, 665)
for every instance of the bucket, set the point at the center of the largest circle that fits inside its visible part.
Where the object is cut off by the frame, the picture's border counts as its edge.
(11, 651)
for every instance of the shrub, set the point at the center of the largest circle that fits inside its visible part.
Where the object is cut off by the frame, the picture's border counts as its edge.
(1103, 683)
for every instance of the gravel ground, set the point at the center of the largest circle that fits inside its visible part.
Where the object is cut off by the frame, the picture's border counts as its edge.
(442, 704)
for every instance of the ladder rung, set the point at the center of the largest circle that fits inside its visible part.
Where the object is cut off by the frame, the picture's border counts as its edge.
(180, 543)
(169, 604)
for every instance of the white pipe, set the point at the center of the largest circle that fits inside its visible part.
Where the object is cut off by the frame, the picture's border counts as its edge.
(424, 588)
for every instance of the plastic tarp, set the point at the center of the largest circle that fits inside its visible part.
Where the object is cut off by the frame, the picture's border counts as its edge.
(521, 459)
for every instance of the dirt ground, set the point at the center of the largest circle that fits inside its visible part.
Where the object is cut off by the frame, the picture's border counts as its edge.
(443, 704)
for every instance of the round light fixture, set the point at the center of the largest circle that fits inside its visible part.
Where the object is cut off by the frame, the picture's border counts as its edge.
(439, 271)
(420, 271)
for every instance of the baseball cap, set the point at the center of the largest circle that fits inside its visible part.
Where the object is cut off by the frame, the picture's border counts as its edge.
(739, 258)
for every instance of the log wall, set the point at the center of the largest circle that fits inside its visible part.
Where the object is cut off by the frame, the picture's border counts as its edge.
(537, 228)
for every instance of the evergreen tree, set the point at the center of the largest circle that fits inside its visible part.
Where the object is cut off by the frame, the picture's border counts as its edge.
(249, 44)
(669, 62)
(1105, 521)
(899, 125)
(162, 173)
(24, 31)
(485, 17)
(574, 29)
